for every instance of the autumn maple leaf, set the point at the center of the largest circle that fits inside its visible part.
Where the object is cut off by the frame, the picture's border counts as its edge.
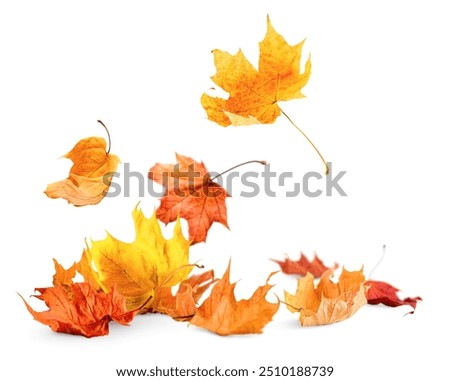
(90, 176)
(136, 269)
(190, 194)
(222, 314)
(79, 309)
(329, 302)
(254, 94)
(385, 293)
(303, 266)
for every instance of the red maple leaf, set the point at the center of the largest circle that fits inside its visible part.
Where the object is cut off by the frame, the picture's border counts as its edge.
(384, 293)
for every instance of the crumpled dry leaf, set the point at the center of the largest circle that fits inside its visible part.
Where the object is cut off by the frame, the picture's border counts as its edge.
(190, 194)
(90, 176)
(329, 302)
(136, 269)
(79, 309)
(254, 94)
(222, 314)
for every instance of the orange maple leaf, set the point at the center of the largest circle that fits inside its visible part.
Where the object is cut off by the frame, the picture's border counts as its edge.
(183, 305)
(79, 309)
(90, 176)
(254, 94)
(190, 194)
(303, 266)
(222, 314)
(329, 302)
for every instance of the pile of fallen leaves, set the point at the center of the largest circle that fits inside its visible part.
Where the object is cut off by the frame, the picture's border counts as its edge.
(123, 279)
(153, 274)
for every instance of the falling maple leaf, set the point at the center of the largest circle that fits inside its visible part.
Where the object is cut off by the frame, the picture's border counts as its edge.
(79, 309)
(303, 266)
(190, 194)
(254, 94)
(222, 314)
(90, 176)
(136, 269)
(329, 302)
(182, 306)
(384, 293)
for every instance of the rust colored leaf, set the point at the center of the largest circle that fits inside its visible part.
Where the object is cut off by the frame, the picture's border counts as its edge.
(190, 194)
(79, 309)
(303, 266)
(90, 176)
(183, 305)
(329, 302)
(254, 94)
(222, 314)
(384, 293)
(62, 276)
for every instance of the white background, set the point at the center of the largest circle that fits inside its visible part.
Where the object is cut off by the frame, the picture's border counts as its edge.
(376, 106)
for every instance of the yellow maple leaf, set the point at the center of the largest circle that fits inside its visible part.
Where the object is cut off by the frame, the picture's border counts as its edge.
(137, 268)
(253, 94)
(329, 302)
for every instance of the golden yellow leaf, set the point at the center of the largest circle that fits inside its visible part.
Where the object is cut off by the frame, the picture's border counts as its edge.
(329, 302)
(253, 94)
(137, 268)
(90, 176)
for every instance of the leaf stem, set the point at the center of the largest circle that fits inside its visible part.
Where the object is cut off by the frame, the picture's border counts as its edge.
(378, 263)
(309, 141)
(141, 308)
(262, 162)
(298, 309)
(109, 136)
(169, 276)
